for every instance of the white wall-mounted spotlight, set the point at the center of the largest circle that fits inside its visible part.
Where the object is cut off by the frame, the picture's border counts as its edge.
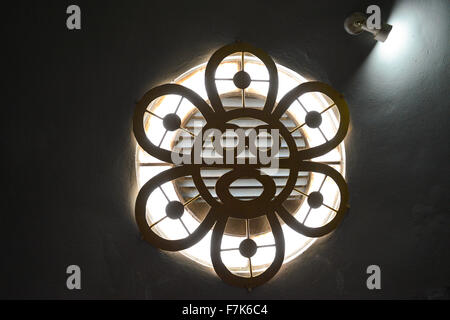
(358, 22)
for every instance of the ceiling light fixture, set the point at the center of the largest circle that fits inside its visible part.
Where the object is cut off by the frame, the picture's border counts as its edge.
(224, 205)
(356, 23)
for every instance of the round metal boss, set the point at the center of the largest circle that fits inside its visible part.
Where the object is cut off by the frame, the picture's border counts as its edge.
(315, 199)
(247, 248)
(242, 80)
(313, 119)
(171, 122)
(174, 209)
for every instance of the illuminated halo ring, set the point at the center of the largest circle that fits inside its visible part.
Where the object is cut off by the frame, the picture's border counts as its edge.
(268, 203)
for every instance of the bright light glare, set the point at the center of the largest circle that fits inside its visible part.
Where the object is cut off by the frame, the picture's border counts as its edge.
(396, 42)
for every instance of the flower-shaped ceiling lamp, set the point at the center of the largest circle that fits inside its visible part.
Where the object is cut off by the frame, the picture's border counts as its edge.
(268, 203)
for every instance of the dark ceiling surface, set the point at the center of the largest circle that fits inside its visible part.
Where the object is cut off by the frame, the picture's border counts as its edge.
(68, 161)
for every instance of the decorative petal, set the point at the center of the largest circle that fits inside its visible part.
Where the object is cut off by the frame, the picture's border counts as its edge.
(227, 276)
(222, 53)
(140, 213)
(333, 223)
(141, 107)
(338, 100)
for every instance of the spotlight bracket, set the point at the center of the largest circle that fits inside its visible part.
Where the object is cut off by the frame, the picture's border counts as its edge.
(356, 23)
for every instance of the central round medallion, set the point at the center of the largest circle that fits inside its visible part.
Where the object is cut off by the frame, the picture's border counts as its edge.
(269, 198)
(243, 188)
